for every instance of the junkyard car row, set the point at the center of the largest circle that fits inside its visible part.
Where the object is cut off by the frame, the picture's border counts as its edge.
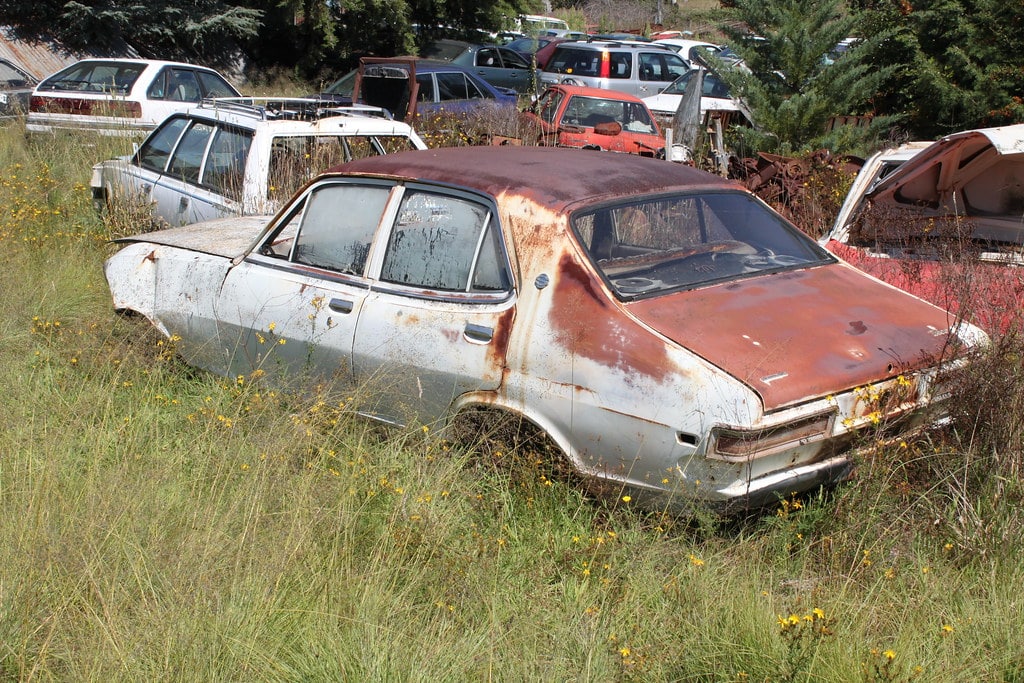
(673, 336)
(676, 340)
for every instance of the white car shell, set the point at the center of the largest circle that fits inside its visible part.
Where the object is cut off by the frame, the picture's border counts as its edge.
(714, 98)
(230, 158)
(690, 50)
(120, 97)
(674, 338)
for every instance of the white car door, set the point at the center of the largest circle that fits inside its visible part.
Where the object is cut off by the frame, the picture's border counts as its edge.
(290, 308)
(204, 176)
(435, 323)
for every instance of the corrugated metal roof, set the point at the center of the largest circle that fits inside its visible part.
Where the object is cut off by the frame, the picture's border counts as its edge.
(44, 58)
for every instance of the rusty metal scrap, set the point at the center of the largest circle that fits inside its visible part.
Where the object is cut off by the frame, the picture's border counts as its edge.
(804, 189)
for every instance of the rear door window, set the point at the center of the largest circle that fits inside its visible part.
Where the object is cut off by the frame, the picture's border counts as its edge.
(224, 170)
(425, 91)
(445, 243)
(452, 86)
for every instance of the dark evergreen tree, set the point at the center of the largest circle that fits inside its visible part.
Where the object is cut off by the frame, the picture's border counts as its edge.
(198, 30)
(796, 83)
(959, 64)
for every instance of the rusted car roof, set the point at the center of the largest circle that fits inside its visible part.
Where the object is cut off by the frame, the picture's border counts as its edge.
(560, 177)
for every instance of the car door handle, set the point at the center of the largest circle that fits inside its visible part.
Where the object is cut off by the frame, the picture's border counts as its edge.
(183, 204)
(146, 187)
(478, 333)
(341, 306)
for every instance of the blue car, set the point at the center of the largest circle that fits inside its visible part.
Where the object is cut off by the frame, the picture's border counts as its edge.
(409, 87)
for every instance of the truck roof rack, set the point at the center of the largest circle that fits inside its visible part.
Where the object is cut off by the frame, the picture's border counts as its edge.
(291, 108)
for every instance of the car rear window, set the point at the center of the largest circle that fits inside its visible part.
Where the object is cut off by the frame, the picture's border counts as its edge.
(11, 77)
(107, 77)
(567, 60)
(663, 244)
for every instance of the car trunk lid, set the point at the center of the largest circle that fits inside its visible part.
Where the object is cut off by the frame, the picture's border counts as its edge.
(855, 334)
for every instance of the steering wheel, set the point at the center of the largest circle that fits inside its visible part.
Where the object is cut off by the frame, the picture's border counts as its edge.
(766, 258)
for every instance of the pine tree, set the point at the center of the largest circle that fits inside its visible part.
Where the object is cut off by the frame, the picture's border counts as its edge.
(796, 84)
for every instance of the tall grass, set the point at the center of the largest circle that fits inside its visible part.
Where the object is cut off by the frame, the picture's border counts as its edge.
(160, 523)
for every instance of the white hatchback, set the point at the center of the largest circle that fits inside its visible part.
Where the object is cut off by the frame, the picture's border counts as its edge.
(243, 156)
(126, 97)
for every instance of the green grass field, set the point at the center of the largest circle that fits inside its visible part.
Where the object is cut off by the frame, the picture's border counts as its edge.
(160, 523)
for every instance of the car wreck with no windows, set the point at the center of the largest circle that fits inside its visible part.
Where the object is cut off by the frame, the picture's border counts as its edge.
(676, 339)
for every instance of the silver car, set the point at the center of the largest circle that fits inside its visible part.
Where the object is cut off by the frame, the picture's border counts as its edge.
(639, 69)
(676, 339)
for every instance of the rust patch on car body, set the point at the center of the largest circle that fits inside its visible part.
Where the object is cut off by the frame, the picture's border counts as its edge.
(806, 351)
(586, 323)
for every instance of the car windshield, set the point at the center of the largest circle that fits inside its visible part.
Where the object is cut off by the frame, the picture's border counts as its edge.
(344, 85)
(668, 243)
(591, 111)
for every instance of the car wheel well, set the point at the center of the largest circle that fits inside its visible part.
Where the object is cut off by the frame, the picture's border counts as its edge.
(502, 436)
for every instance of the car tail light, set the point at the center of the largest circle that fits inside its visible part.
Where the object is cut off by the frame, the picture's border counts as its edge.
(72, 105)
(735, 444)
(606, 65)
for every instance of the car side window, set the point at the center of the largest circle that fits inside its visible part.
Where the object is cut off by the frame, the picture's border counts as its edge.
(488, 57)
(621, 65)
(213, 85)
(675, 66)
(182, 86)
(155, 152)
(225, 165)
(445, 243)
(473, 90)
(426, 88)
(188, 157)
(338, 225)
(651, 68)
(452, 86)
(512, 59)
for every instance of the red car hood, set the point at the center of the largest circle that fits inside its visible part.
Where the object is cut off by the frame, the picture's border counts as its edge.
(800, 335)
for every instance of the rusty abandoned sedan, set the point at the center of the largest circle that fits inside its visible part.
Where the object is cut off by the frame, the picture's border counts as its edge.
(676, 339)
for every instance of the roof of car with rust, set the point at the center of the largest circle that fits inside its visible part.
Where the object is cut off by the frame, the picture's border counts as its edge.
(553, 176)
